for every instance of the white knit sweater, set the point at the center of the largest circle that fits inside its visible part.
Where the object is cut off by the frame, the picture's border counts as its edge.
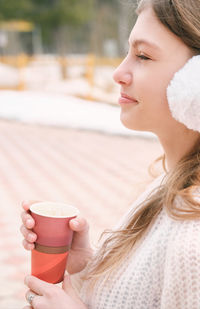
(163, 272)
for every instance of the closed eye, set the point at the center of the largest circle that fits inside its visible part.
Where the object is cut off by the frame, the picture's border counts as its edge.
(143, 57)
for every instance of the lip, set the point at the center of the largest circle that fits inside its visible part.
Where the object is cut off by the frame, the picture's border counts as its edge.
(125, 99)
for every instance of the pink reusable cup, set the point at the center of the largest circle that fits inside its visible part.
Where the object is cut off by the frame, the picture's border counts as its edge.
(54, 237)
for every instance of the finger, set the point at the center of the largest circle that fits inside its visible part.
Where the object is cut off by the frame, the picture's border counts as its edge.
(27, 204)
(27, 245)
(28, 307)
(38, 286)
(35, 300)
(79, 224)
(28, 293)
(68, 288)
(27, 220)
(28, 235)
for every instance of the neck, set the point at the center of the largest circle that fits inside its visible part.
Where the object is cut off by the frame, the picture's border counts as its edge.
(178, 144)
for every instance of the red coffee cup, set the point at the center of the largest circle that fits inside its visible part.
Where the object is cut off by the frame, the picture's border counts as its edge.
(54, 237)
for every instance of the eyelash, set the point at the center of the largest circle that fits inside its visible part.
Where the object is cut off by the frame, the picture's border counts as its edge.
(142, 57)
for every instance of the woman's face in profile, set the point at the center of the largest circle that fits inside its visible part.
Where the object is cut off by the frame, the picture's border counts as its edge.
(155, 54)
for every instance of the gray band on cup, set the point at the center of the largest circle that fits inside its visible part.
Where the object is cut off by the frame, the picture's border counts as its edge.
(51, 250)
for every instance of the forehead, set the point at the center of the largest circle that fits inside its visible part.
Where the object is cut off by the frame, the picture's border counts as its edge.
(149, 28)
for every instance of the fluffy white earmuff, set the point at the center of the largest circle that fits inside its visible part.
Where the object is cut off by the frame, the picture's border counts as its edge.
(183, 94)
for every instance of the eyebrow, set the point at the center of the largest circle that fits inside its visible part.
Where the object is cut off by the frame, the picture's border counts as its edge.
(136, 43)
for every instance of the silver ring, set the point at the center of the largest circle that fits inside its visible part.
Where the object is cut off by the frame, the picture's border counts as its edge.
(30, 298)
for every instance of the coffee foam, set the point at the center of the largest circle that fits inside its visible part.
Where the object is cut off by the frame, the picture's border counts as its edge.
(55, 210)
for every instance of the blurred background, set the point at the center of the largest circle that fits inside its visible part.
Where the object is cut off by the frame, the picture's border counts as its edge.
(61, 138)
(59, 44)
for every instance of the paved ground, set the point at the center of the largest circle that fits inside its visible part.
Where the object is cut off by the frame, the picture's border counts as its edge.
(100, 174)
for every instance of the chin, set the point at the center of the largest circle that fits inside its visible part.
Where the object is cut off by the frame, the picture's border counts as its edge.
(137, 122)
(132, 125)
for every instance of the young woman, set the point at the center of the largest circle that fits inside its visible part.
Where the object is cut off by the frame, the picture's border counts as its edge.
(152, 260)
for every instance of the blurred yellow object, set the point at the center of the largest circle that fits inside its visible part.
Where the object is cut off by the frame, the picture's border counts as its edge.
(63, 65)
(90, 68)
(20, 62)
(102, 61)
(17, 25)
(89, 62)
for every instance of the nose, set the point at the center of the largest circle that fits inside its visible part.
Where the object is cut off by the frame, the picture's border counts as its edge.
(122, 74)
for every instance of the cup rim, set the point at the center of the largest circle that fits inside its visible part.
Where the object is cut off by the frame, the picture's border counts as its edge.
(71, 207)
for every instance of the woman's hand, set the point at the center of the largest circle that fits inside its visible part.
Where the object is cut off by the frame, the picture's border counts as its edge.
(80, 251)
(50, 296)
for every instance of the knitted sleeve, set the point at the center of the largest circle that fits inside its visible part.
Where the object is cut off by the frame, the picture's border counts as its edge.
(181, 286)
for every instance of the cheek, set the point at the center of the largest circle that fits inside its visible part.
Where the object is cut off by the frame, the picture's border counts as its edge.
(154, 104)
(153, 111)
(152, 88)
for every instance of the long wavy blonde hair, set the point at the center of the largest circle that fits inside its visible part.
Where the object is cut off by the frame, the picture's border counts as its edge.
(182, 17)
